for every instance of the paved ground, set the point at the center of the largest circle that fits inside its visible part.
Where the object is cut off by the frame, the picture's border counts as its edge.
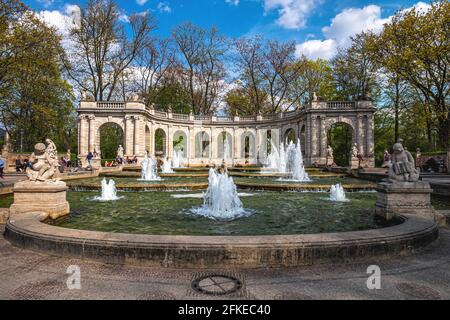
(29, 275)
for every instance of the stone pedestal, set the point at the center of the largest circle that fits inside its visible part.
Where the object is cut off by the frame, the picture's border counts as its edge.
(354, 163)
(48, 197)
(394, 198)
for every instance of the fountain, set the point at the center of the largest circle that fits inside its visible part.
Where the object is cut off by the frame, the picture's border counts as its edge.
(226, 149)
(149, 169)
(177, 161)
(109, 191)
(167, 166)
(337, 194)
(221, 200)
(288, 160)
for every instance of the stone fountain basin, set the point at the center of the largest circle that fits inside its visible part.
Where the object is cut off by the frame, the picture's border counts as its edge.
(200, 252)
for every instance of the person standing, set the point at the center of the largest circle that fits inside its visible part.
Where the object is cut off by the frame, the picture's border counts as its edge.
(89, 158)
(2, 167)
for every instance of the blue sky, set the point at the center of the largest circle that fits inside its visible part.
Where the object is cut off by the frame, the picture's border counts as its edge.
(317, 26)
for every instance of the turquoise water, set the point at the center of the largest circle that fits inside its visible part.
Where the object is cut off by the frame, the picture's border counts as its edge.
(274, 213)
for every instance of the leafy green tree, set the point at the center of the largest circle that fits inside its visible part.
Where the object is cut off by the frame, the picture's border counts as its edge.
(35, 101)
(354, 71)
(415, 46)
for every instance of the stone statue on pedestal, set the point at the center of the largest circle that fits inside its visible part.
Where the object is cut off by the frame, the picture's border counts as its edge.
(43, 163)
(41, 193)
(355, 151)
(330, 156)
(402, 167)
(120, 151)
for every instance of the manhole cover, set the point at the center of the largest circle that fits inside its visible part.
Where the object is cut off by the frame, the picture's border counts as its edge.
(418, 291)
(217, 284)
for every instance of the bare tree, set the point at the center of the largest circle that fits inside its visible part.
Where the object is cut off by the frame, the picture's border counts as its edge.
(101, 50)
(201, 53)
(279, 70)
(153, 65)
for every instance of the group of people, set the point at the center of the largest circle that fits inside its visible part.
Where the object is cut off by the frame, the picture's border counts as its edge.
(22, 164)
(119, 161)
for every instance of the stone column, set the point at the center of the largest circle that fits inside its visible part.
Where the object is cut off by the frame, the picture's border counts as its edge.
(152, 139)
(236, 145)
(168, 139)
(360, 133)
(323, 138)
(91, 133)
(369, 135)
(258, 146)
(170, 132)
(129, 136)
(213, 150)
(83, 136)
(138, 136)
(313, 136)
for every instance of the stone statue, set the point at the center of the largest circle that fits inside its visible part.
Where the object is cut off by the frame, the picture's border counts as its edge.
(355, 151)
(315, 97)
(51, 149)
(120, 151)
(43, 165)
(330, 156)
(402, 168)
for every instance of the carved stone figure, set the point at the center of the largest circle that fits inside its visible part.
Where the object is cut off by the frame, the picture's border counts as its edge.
(51, 149)
(120, 151)
(355, 151)
(402, 166)
(43, 166)
(330, 156)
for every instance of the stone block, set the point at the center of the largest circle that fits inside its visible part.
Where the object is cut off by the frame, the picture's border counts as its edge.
(4, 215)
(48, 197)
(396, 198)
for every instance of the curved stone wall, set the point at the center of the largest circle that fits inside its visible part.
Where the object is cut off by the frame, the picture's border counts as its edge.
(28, 232)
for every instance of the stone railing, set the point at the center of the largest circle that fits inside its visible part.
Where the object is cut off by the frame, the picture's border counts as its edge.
(341, 105)
(321, 105)
(111, 105)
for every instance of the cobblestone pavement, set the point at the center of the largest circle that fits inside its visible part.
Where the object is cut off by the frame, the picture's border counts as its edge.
(30, 275)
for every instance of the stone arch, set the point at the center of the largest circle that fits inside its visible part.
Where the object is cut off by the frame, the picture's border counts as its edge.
(202, 145)
(302, 137)
(221, 139)
(148, 139)
(290, 135)
(180, 141)
(110, 134)
(248, 145)
(341, 136)
(160, 142)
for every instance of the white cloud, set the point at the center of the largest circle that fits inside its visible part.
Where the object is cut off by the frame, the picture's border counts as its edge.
(344, 25)
(164, 7)
(292, 13)
(353, 21)
(124, 18)
(315, 49)
(233, 2)
(62, 21)
(141, 2)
